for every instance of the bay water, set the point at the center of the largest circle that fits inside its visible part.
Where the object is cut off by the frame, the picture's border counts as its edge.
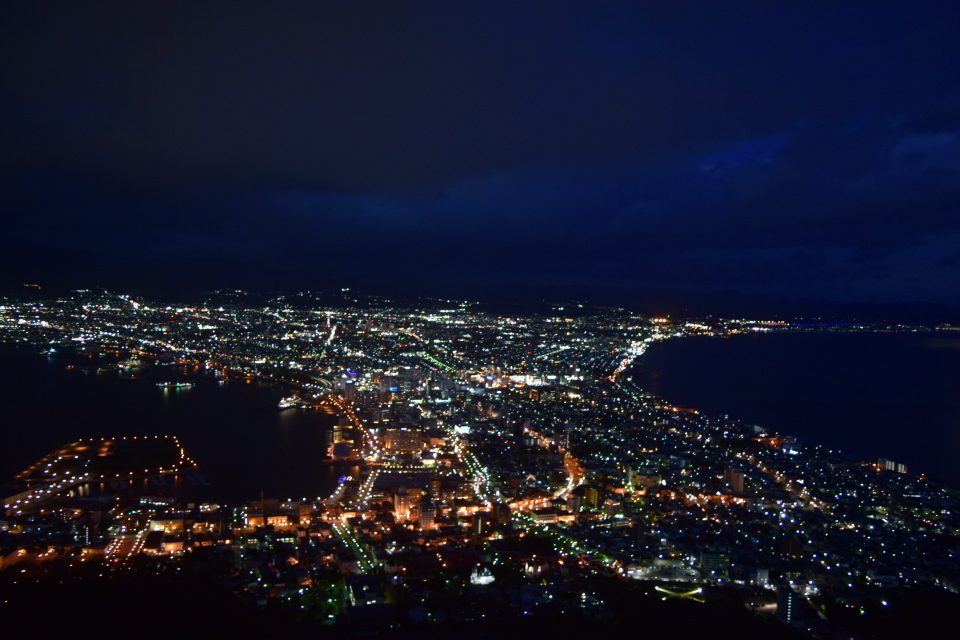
(866, 394)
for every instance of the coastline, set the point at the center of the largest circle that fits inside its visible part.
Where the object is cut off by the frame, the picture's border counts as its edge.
(732, 378)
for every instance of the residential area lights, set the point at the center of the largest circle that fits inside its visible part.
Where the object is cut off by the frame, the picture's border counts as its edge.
(476, 433)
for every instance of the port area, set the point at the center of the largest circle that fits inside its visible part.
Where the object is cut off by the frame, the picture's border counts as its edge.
(88, 468)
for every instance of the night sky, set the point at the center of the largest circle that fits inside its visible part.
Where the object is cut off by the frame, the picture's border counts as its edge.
(795, 149)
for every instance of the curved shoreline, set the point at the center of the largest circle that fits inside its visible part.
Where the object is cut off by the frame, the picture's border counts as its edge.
(884, 441)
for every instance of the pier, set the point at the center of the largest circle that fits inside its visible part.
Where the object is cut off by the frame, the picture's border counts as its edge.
(98, 461)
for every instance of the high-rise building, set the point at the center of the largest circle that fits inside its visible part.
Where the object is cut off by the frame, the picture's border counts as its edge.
(403, 440)
(501, 512)
(759, 577)
(889, 465)
(402, 502)
(592, 496)
(436, 488)
(715, 564)
(733, 478)
(427, 513)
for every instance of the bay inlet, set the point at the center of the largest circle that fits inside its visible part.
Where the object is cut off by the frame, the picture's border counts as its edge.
(867, 395)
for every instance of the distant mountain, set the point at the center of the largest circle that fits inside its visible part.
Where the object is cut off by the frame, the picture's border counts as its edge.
(184, 278)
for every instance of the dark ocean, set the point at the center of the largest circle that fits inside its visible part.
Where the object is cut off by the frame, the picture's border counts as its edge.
(234, 431)
(868, 395)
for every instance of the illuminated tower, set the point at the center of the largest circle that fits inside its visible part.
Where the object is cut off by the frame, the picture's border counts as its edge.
(401, 503)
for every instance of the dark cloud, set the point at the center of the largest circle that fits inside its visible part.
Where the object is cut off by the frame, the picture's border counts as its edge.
(805, 150)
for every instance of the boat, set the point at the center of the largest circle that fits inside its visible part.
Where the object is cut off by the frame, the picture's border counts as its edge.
(286, 403)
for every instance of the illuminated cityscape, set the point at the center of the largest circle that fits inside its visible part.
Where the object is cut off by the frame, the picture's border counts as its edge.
(480, 319)
(496, 466)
